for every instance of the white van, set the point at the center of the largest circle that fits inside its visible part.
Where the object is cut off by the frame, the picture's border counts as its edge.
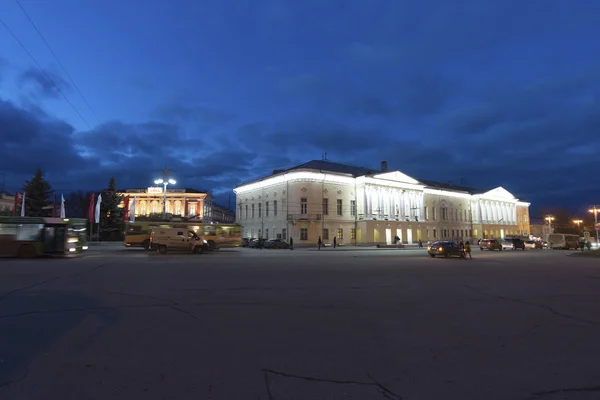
(563, 241)
(177, 239)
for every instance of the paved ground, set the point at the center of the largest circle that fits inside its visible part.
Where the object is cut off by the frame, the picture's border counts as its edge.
(280, 324)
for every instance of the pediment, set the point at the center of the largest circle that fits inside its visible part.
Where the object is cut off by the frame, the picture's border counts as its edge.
(499, 193)
(396, 176)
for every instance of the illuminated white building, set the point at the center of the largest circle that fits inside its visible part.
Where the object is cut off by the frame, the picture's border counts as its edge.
(188, 203)
(366, 207)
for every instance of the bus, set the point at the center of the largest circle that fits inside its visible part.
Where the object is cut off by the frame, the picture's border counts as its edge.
(29, 237)
(563, 241)
(137, 234)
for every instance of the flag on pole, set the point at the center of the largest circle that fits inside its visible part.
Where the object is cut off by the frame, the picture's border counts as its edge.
(54, 206)
(125, 208)
(132, 210)
(62, 206)
(16, 204)
(91, 208)
(23, 205)
(98, 208)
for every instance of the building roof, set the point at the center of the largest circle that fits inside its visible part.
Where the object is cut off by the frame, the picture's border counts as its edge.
(448, 186)
(329, 166)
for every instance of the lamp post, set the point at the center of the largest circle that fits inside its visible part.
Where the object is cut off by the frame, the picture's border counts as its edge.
(549, 218)
(578, 222)
(595, 209)
(165, 182)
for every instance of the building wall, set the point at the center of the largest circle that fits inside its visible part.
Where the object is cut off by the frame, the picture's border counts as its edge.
(180, 203)
(7, 203)
(371, 213)
(523, 221)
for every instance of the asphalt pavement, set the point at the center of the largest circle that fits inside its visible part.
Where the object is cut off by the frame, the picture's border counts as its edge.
(301, 324)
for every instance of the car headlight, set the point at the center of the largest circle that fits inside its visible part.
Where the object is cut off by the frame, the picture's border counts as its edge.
(204, 241)
(428, 248)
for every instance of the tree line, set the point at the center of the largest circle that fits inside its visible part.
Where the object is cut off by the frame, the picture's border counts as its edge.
(40, 202)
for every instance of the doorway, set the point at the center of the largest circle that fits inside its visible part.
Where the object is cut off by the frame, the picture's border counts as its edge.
(388, 236)
(409, 238)
(376, 235)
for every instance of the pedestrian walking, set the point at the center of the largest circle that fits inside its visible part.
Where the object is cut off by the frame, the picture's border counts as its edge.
(334, 242)
(319, 243)
(420, 244)
(468, 249)
(461, 250)
(291, 243)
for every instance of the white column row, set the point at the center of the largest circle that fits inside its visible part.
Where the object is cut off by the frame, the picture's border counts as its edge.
(379, 202)
(496, 212)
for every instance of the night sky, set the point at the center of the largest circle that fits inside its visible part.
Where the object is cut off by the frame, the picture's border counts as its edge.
(494, 92)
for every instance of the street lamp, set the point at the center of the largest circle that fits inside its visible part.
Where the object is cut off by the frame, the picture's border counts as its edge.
(595, 209)
(549, 218)
(578, 222)
(165, 182)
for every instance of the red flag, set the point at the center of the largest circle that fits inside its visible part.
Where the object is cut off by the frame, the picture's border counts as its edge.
(126, 208)
(16, 204)
(91, 208)
(54, 207)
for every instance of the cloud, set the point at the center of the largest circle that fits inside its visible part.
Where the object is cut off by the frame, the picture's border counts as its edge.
(47, 84)
(199, 114)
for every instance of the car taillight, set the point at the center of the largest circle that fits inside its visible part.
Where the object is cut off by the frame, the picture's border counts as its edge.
(441, 249)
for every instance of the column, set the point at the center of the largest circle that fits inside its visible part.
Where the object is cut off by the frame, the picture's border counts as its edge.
(365, 209)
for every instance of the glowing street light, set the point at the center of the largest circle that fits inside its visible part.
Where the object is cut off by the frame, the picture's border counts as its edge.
(165, 181)
(549, 218)
(595, 209)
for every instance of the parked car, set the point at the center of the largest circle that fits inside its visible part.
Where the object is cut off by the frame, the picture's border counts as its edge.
(245, 242)
(490, 244)
(516, 244)
(443, 248)
(254, 243)
(533, 244)
(276, 244)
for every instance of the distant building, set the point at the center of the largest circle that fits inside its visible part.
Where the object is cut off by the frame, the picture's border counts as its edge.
(7, 203)
(540, 228)
(189, 203)
(362, 206)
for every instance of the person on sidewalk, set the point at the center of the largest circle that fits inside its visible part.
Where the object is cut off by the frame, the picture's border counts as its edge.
(291, 243)
(461, 250)
(334, 242)
(468, 249)
(319, 243)
(420, 244)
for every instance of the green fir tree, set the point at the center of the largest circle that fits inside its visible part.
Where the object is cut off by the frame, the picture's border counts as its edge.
(111, 216)
(38, 196)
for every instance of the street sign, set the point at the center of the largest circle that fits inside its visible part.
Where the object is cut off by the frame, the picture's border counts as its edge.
(586, 234)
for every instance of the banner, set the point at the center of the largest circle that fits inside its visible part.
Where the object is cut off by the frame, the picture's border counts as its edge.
(125, 208)
(98, 202)
(16, 204)
(62, 206)
(91, 208)
(132, 210)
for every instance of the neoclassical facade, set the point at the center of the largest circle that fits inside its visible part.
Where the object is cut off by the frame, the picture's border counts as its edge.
(365, 207)
(188, 203)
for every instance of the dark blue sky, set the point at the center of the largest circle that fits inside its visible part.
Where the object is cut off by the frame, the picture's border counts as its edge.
(496, 92)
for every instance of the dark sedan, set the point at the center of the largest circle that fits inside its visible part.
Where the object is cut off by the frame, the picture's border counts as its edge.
(444, 248)
(276, 244)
